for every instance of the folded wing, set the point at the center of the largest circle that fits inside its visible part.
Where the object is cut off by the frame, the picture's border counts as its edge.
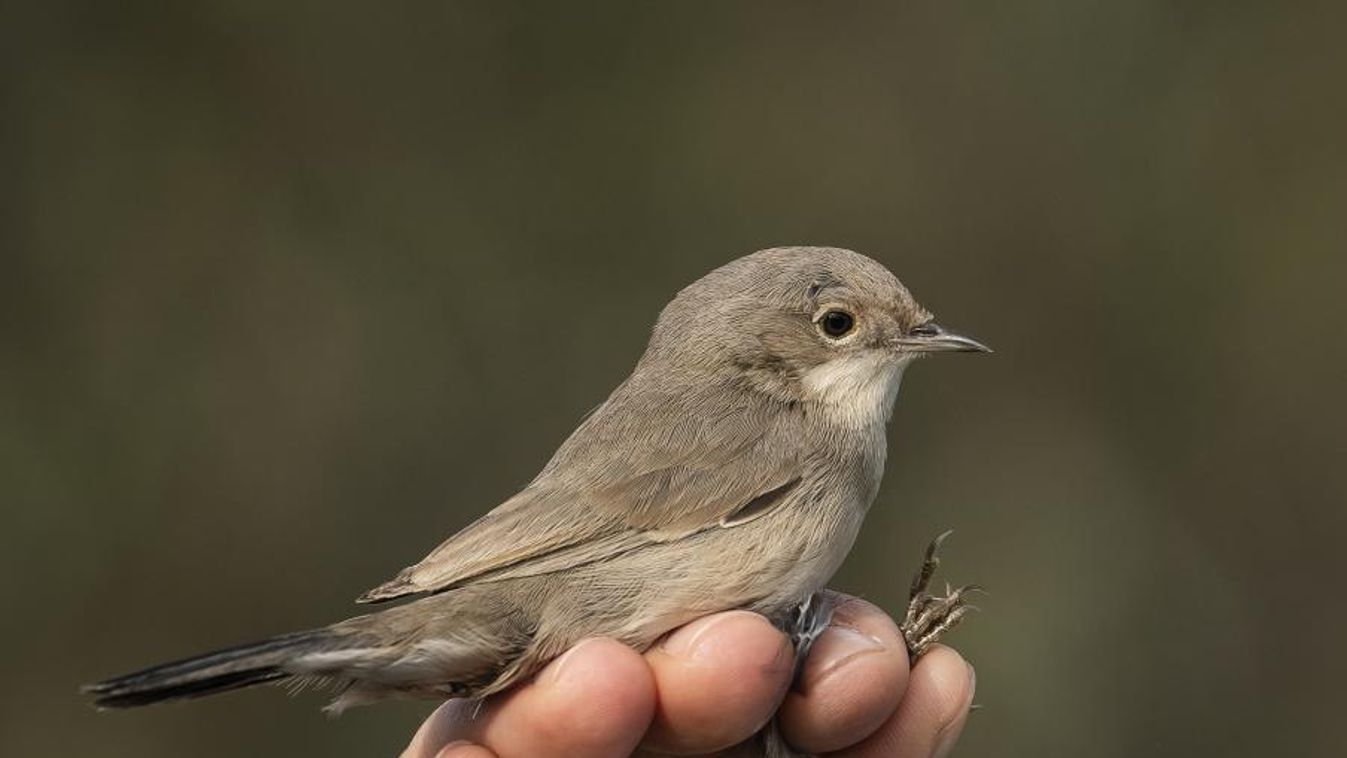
(686, 463)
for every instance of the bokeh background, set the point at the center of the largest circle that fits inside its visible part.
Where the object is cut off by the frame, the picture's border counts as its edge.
(290, 291)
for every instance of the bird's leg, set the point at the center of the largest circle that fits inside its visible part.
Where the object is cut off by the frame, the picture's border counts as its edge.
(802, 624)
(807, 622)
(929, 616)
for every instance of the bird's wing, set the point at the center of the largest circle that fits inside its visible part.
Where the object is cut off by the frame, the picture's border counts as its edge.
(621, 481)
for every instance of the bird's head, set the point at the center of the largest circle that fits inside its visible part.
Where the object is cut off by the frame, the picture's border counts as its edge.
(806, 324)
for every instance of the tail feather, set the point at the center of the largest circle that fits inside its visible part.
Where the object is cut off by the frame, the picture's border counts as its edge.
(220, 671)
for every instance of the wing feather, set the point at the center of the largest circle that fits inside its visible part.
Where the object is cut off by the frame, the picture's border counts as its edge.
(624, 479)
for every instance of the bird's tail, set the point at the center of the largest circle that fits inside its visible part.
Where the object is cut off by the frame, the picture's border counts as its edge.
(220, 671)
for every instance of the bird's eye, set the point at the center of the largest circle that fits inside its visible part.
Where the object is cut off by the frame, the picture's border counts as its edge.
(928, 329)
(837, 323)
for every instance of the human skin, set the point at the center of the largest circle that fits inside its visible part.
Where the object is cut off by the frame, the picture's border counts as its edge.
(711, 685)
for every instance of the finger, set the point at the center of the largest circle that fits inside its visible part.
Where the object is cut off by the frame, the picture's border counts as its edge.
(719, 680)
(595, 701)
(851, 683)
(933, 711)
(464, 750)
(437, 736)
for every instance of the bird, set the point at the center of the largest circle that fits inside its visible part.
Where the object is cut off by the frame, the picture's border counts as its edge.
(732, 469)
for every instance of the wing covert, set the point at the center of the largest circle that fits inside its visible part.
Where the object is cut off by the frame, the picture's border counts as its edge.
(622, 480)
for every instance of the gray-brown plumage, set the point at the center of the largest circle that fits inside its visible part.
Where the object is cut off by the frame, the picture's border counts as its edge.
(732, 469)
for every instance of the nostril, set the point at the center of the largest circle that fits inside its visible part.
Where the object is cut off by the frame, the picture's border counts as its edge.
(928, 329)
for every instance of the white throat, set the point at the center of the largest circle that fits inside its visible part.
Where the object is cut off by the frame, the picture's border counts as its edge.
(858, 390)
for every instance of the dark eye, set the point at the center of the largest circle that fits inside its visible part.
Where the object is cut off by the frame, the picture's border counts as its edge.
(928, 329)
(836, 323)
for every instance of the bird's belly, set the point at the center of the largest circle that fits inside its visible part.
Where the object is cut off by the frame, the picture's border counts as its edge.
(767, 565)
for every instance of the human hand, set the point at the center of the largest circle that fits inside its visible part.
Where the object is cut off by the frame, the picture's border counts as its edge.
(714, 683)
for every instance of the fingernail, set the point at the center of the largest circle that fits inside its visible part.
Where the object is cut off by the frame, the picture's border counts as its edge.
(695, 640)
(834, 649)
(951, 731)
(452, 748)
(557, 668)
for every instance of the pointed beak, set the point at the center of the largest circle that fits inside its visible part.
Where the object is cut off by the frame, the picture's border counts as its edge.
(933, 338)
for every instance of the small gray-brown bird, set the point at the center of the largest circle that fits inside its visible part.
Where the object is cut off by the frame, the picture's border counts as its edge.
(732, 469)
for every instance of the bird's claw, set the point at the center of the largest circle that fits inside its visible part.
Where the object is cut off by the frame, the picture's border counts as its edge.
(929, 616)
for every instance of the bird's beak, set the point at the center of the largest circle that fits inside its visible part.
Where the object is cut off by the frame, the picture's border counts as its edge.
(933, 338)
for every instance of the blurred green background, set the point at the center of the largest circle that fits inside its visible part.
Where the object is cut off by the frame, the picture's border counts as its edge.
(289, 292)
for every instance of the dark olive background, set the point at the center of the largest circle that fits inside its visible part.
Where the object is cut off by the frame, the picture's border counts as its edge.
(291, 291)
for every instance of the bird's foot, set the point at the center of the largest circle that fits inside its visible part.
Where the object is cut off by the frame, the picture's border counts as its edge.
(809, 619)
(929, 616)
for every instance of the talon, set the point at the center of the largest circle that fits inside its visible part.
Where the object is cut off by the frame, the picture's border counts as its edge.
(939, 540)
(929, 617)
(929, 564)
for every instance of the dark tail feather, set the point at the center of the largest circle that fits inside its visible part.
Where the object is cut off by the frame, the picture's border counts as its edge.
(221, 671)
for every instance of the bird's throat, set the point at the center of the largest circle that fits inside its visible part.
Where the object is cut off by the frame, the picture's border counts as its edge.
(856, 391)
